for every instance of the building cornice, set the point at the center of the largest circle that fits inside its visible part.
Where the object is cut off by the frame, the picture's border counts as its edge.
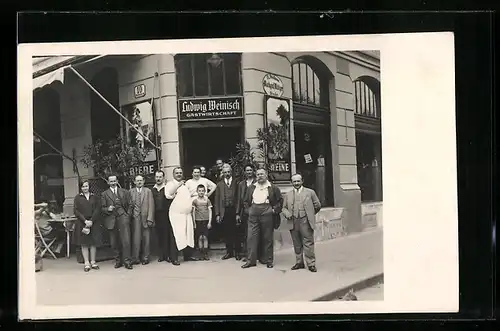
(358, 59)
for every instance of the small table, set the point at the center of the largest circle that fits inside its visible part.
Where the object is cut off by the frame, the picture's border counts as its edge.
(68, 223)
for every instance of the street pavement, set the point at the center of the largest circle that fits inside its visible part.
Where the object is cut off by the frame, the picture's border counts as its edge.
(340, 262)
(374, 293)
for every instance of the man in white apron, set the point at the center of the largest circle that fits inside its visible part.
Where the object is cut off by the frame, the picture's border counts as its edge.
(180, 214)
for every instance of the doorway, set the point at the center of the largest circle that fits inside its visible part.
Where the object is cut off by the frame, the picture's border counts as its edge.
(313, 160)
(202, 146)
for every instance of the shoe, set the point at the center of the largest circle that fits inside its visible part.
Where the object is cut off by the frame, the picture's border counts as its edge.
(313, 269)
(244, 259)
(176, 263)
(227, 256)
(270, 265)
(161, 259)
(248, 265)
(129, 266)
(167, 260)
(145, 261)
(238, 258)
(94, 266)
(118, 265)
(86, 268)
(206, 258)
(298, 266)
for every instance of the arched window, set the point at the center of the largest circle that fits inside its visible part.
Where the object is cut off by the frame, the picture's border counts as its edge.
(367, 103)
(311, 122)
(199, 76)
(368, 138)
(308, 87)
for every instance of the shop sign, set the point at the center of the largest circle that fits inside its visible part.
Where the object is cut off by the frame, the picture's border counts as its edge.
(273, 85)
(139, 91)
(277, 124)
(146, 169)
(210, 108)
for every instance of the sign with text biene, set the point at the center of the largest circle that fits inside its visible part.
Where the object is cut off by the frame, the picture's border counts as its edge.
(210, 108)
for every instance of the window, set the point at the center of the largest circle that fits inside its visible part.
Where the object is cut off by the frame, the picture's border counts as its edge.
(307, 86)
(313, 153)
(366, 100)
(196, 77)
(368, 139)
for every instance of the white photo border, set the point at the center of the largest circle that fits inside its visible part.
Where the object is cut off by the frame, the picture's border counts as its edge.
(420, 221)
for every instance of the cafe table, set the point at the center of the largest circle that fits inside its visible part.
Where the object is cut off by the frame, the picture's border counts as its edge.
(68, 222)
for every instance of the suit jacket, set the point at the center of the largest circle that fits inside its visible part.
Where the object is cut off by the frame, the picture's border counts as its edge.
(275, 200)
(147, 205)
(310, 202)
(242, 190)
(108, 198)
(219, 197)
(87, 209)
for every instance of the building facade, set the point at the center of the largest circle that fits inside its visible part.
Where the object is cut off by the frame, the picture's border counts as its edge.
(196, 107)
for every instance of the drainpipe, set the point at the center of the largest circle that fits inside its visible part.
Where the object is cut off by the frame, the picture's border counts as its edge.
(159, 127)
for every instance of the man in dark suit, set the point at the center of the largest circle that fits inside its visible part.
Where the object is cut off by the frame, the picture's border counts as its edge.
(215, 174)
(115, 204)
(264, 202)
(300, 209)
(241, 212)
(225, 212)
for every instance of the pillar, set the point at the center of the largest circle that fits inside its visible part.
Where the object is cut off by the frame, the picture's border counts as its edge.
(76, 134)
(350, 197)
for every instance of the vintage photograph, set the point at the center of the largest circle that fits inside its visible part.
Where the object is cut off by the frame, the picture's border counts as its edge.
(237, 178)
(186, 178)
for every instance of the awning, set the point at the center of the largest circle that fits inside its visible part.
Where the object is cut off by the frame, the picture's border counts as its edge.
(49, 69)
(49, 78)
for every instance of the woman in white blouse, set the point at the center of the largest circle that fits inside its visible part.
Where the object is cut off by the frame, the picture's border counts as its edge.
(193, 183)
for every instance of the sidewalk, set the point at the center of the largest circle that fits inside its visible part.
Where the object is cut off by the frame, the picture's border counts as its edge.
(341, 262)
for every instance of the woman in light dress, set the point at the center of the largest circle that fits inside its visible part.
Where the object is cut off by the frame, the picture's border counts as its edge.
(192, 184)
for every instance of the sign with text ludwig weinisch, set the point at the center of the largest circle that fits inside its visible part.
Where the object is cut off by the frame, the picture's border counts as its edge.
(272, 85)
(210, 108)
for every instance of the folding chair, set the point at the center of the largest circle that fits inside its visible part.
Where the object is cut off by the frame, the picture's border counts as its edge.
(43, 244)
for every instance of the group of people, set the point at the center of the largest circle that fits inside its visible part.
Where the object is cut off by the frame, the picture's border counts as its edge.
(183, 211)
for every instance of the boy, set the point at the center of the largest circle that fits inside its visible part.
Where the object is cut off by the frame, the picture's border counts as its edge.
(202, 217)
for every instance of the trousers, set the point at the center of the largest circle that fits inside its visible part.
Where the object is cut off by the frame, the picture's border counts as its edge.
(119, 237)
(141, 238)
(165, 235)
(303, 241)
(260, 226)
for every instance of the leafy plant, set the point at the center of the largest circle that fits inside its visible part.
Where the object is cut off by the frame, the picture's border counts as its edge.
(114, 156)
(244, 155)
(272, 141)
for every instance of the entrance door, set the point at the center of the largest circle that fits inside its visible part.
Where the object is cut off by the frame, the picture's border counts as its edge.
(202, 146)
(313, 160)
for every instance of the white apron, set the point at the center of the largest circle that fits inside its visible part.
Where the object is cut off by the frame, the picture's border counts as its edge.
(181, 218)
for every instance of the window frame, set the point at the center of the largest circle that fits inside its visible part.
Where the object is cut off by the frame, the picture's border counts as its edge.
(223, 65)
(366, 100)
(323, 87)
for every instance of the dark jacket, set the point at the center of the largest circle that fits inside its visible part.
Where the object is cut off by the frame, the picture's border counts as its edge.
(219, 197)
(87, 209)
(242, 190)
(109, 199)
(275, 200)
